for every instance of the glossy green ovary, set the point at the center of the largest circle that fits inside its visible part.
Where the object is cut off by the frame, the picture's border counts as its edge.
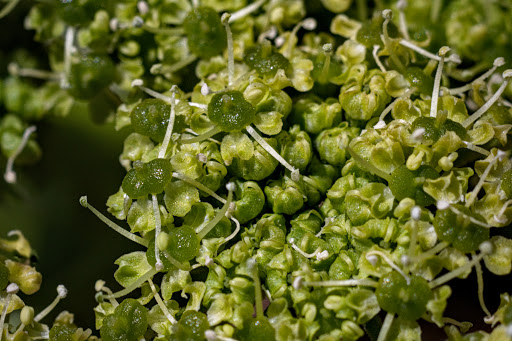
(127, 323)
(408, 300)
(191, 327)
(458, 229)
(265, 59)
(206, 36)
(183, 243)
(147, 178)
(151, 117)
(230, 111)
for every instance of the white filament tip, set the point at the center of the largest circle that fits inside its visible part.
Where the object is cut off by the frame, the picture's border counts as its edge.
(113, 24)
(486, 248)
(442, 204)
(142, 7)
(295, 175)
(62, 291)
(210, 335)
(99, 285)
(10, 177)
(418, 134)
(279, 41)
(405, 260)
(443, 51)
(230, 186)
(208, 261)
(225, 17)
(12, 288)
(500, 61)
(501, 154)
(387, 14)
(205, 89)
(83, 201)
(309, 24)
(327, 48)
(159, 266)
(401, 5)
(298, 282)
(137, 22)
(416, 213)
(322, 255)
(507, 73)
(372, 259)
(137, 82)
(380, 125)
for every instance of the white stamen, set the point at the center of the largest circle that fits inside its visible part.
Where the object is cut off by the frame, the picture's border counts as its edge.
(205, 90)
(112, 225)
(198, 185)
(142, 7)
(11, 289)
(158, 224)
(416, 213)
(113, 24)
(474, 193)
(61, 293)
(170, 125)
(231, 58)
(264, 144)
(139, 83)
(134, 285)
(454, 58)
(235, 232)
(500, 61)
(388, 321)
(365, 282)
(402, 23)
(468, 121)
(377, 59)
(161, 304)
(477, 149)
(208, 261)
(389, 261)
(437, 81)
(10, 174)
(298, 282)
(137, 22)
(246, 10)
(417, 135)
(5, 11)
(68, 50)
(485, 248)
(442, 204)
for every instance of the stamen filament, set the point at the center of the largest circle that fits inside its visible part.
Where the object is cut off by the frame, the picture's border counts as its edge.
(182, 266)
(190, 131)
(134, 285)
(158, 226)
(437, 81)
(374, 253)
(202, 137)
(477, 149)
(235, 232)
(112, 225)
(246, 10)
(11, 289)
(387, 14)
(222, 212)
(138, 83)
(468, 121)
(472, 219)
(377, 59)
(308, 24)
(485, 248)
(402, 23)
(388, 321)
(365, 282)
(295, 172)
(198, 185)
(100, 286)
(68, 50)
(258, 298)
(480, 282)
(161, 303)
(10, 174)
(497, 63)
(231, 58)
(474, 193)
(170, 126)
(61, 293)
(15, 70)
(5, 11)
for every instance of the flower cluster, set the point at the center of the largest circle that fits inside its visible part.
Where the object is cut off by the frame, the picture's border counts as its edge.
(283, 181)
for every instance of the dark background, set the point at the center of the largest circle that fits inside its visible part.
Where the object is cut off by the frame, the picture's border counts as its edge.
(74, 248)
